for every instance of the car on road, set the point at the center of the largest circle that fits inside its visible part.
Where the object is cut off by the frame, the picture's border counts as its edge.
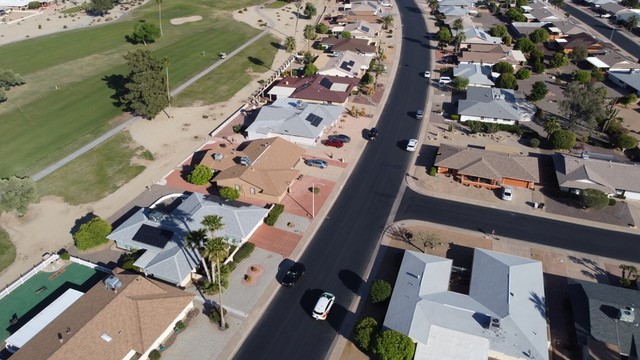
(444, 80)
(334, 143)
(373, 134)
(324, 304)
(294, 274)
(507, 193)
(412, 145)
(426, 74)
(340, 137)
(316, 163)
(419, 114)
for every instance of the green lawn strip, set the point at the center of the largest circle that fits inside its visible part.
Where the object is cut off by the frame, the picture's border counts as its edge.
(7, 250)
(96, 173)
(222, 83)
(73, 10)
(276, 4)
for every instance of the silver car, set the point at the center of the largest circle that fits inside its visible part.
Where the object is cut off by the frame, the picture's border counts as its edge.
(507, 193)
(316, 163)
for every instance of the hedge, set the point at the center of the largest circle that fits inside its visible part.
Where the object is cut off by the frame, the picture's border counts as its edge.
(244, 252)
(65, 256)
(92, 234)
(273, 215)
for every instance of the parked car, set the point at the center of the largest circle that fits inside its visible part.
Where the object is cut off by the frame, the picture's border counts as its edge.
(294, 273)
(324, 304)
(444, 80)
(340, 137)
(373, 134)
(419, 114)
(334, 143)
(316, 163)
(427, 74)
(507, 193)
(412, 145)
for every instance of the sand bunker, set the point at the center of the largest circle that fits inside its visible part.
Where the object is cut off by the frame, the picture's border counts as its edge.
(183, 20)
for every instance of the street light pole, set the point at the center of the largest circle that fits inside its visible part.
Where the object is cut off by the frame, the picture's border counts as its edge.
(612, 31)
(313, 200)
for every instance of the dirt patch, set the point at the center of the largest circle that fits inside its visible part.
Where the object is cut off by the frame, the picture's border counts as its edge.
(184, 20)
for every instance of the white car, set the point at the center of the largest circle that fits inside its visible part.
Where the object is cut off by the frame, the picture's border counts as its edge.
(507, 193)
(324, 304)
(444, 80)
(427, 74)
(412, 145)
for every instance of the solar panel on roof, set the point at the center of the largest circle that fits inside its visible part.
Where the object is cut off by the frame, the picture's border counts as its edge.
(314, 119)
(153, 236)
(348, 65)
(365, 29)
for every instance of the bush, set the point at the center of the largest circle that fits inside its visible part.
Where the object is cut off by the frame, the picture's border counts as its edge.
(433, 171)
(629, 99)
(380, 291)
(34, 5)
(582, 76)
(624, 142)
(475, 126)
(392, 345)
(322, 29)
(491, 128)
(228, 267)
(154, 355)
(244, 252)
(128, 265)
(538, 91)
(594, 199)
(364, 330)
(563, 139)
(65, 256)
(503, 68)
(273, 215)
(534, 143)
(367, 79)
(92, 234)
(229, 193)
(214, 315)
(200, 175)
(180, 325)
(612, 202)
(237, 129)
(523, 74)
(455, 117)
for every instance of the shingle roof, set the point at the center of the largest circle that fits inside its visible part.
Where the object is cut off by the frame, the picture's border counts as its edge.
(578, 39)
(491, 103)
(487, 164)
(348, 64)
(612, 7)
(363, 27)
(630, 77)
(449, 10)
(134, 317)
(578, 173)
(476, 35)
(358, 46)
(332, 89)
(476, 73)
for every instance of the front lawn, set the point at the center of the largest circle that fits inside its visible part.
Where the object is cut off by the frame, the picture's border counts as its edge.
(7, 250)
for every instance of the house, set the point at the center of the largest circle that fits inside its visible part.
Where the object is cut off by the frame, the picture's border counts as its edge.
(491, 55)
(611, 8)
(544, 15)
(599, 3)
(606, 320)
(476, 35)
(503, 315)
(563, 29)
(567, 44)
(161, 236)
(347, 64)
(491, 105)
(357, 46)
(270, 173)
(521, 29)
(294, 120)
(460, 3)
(575, 173)
(626, 14)
(489, 169)
(455, 11)
(360, 30)
(366, 8)
(613, 61)
(627, 78)
(315, 89)
(126, 317)
(477, 74)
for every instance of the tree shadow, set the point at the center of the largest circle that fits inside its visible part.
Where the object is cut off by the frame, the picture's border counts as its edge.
(117, 82)
(277, 45)
(539, 303)
(257, 61)
(351, 280)
(83, 220)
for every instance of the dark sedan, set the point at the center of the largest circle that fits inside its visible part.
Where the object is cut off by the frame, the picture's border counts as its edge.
(294, 273)
(340, 137)
(334, 143)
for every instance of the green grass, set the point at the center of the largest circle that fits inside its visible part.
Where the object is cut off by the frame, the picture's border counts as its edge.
(7, 250)
(96, 173)
(276, 4)
(222, 83)
(73, 10)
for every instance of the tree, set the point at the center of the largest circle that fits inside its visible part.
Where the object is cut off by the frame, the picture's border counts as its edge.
(9, 79)
(345, 35)
(322, 28)
(594, 199)
(16, 194)
(309, 32)
(426, 239)
(629, 99)
(364, 331)
(200, 175)
(503, 67)
(551, 125)
(146, 87)
(582, 104)
(626, 141)
(387, 21)
(525, 45)
(290, 44)
(92, 234)
(507, 81)
(101, 7)
(212, 223)
(458, 40)
(310, 10)
(563, 139)
(633, 4)
(457, 25)
(159, 2)
(367, 79)
(539, 36)
(144, 32)
(579, 53)
(597, 75)
(499, 30)
(444, 35)
(229, 193)
(308, 57)
(214, 250)
(582, 76)
(523, 74)
(196, 240)
(3, 95)
(433, 5)
(538, 91)
(310, 69)
(380, 291)
(629, 275)
(515, 15)
(632, 22)
(392, 345)
(507, 40)
(557, 3)
(610, 114)
(559, 59)
(460, 83)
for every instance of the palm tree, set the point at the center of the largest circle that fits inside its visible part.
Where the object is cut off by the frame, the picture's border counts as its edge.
(387, 21)
(215, 250)
(551, 125)
(298, 7)
(460, 37)
(309, 32)
(212, 223)
(633, 22)
(433, 5)
(195, 240)
(290, 44)
(159, 2)
(457, 24)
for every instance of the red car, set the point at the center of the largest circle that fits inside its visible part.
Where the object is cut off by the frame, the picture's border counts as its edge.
(334, 143)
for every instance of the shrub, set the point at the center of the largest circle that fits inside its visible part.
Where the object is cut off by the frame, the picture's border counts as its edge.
(273, 215)
(563, 139)
(237, 129)
(534, 143)
(92, 234)
(128, 265)
(491, 128)
(229, 193)
(503, 68)
(612, 202)
(538, 91)
(200, 175)
(34, 5)
(475, 126)
(244, 252)
(65, 256)
(367, 79)
(594, 198)
(392, 345)
(629, 99)
(582, 76)
(228, 267)
(624, 142)
(523, 74)
(322, 29)
(380, 291)
(364, 330)
(154, 355)
(180, 325)
(433, 171)
(214, 316)
(455, 117)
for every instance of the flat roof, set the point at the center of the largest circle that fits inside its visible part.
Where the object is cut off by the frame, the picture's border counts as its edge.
(597, 62)
(40, 321)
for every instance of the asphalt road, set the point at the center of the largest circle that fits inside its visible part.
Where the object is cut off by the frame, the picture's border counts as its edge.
(337, 256)
(604, 29)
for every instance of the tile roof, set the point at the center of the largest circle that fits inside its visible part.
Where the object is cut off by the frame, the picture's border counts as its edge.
(488, 164)
(348, 64)
(526, 28)
(358, 46)
(608, 176)
(463, 3)
(362, 27)
(476, 73)
(612, 7)
(332, 89)
(578, 39)
(477, 35)
(449, 10)
(133, 317)
(490, 103)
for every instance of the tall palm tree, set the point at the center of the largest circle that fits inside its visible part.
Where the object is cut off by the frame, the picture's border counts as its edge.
(159, 2)
(212, 223)
(290, 44)
(195, 240)
(551, 125)
(215, 250)
(387, 21)
(457, 24)
(433, 5)
(459, 39)
(633, 22)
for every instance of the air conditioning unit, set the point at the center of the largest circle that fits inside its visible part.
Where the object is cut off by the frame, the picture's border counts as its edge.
(495, 323)
(626, 314)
